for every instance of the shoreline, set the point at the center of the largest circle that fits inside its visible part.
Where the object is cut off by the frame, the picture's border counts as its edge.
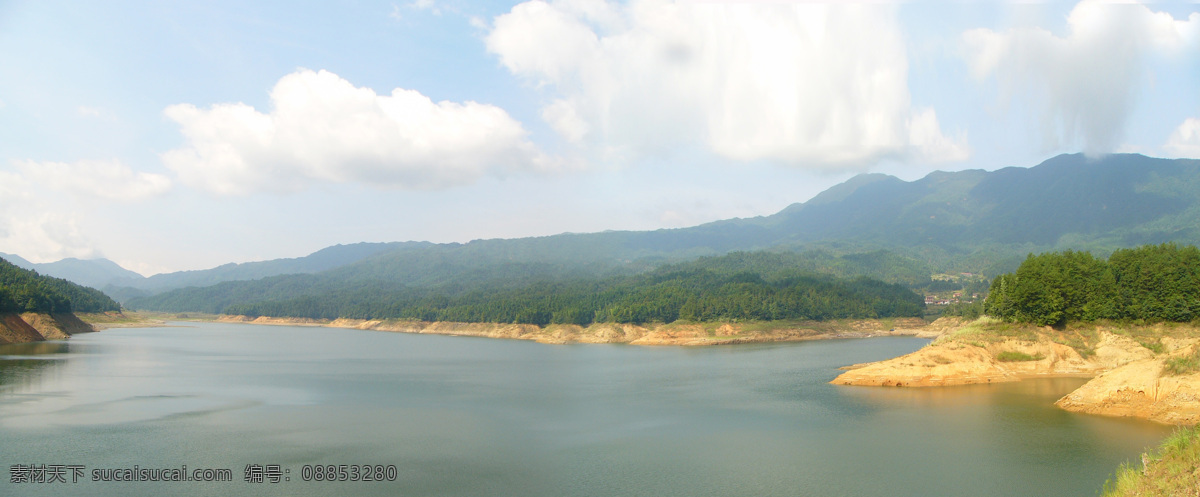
(678, 334)
(1126, 366)
(29, 327)
(1126, 379)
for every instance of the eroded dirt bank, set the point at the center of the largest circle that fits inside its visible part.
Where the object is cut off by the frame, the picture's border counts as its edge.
(36, 327)
(1142, 389)
(662, 334)
(1127, 366)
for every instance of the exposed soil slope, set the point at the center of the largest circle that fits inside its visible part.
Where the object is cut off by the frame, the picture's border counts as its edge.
(1141, 389)
(34, 327)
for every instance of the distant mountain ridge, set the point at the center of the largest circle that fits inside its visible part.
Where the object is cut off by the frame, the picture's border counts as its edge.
(971, 220)
(1069, 200)
(122, 284)
(967, 220)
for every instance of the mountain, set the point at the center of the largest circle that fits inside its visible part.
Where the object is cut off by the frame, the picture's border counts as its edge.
(321, 260)
(94, 273)
(24, 290)
(966, 221)
(1116, 201)
(16, 260)
(123, 284)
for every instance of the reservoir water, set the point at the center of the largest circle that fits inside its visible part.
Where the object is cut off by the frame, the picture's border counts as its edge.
(460, 416)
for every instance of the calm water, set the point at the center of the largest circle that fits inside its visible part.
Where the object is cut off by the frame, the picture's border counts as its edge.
(462, 416)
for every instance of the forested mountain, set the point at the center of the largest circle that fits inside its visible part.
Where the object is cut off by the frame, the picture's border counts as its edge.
(95, 273)
(1068, 201)
(973, 221)
(23, 290)
(738, 286)
(967, 221)
(321, 260)
(492, 277)
(872, 225)
(123, 284)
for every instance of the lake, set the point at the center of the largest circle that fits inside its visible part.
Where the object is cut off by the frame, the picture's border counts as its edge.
(460, 416)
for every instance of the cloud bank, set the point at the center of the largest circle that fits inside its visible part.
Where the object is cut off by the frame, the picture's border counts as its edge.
(1086, 82)
(820, 86)
(322, 128)
(35, 226)
(1185, 141)
(110, 180)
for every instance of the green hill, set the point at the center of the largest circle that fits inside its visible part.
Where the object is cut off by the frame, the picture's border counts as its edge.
(872, 225)
(757, 286)
(22, 290)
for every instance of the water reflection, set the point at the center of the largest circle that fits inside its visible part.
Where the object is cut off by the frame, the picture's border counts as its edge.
(1009, 425)
(1050, 389)
(23, 364)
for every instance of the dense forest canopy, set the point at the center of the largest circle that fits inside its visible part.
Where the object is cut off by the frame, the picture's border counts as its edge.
(1151, 283)
(22, 290)
(738, 286)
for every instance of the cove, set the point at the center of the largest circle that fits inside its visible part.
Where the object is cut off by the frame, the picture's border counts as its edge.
(461, 416)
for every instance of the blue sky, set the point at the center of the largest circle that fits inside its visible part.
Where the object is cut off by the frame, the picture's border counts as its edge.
(169, 136)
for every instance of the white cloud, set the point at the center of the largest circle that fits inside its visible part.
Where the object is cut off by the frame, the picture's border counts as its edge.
(322, 128)
(425, 5)
(34, 225)
(1185, 141)
(812, 85)
(43, 205)
(104, 179)
(1087, 81)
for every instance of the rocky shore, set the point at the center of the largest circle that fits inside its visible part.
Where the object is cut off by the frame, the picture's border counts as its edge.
(1129, 378)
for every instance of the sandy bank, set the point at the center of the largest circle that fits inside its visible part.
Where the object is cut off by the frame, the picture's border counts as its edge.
(690, 334)
(128, 319)
(1127, 375)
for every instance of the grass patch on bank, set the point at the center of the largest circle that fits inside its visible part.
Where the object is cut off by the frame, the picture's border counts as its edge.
(1182, 365)
(109, 317)
(120, 319)
(832, 326)
(1015, 356)
(1082, 337)
(1173, 469)
(987, 330)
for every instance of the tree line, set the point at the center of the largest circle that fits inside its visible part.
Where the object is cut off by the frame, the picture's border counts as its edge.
(711, 289)
(22, 290)
(1150, 283)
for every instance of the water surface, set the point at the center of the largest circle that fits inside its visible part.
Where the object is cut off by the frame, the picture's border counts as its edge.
(461, 416)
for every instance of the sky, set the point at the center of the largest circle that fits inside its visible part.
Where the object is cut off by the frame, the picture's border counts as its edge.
(170, 136)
